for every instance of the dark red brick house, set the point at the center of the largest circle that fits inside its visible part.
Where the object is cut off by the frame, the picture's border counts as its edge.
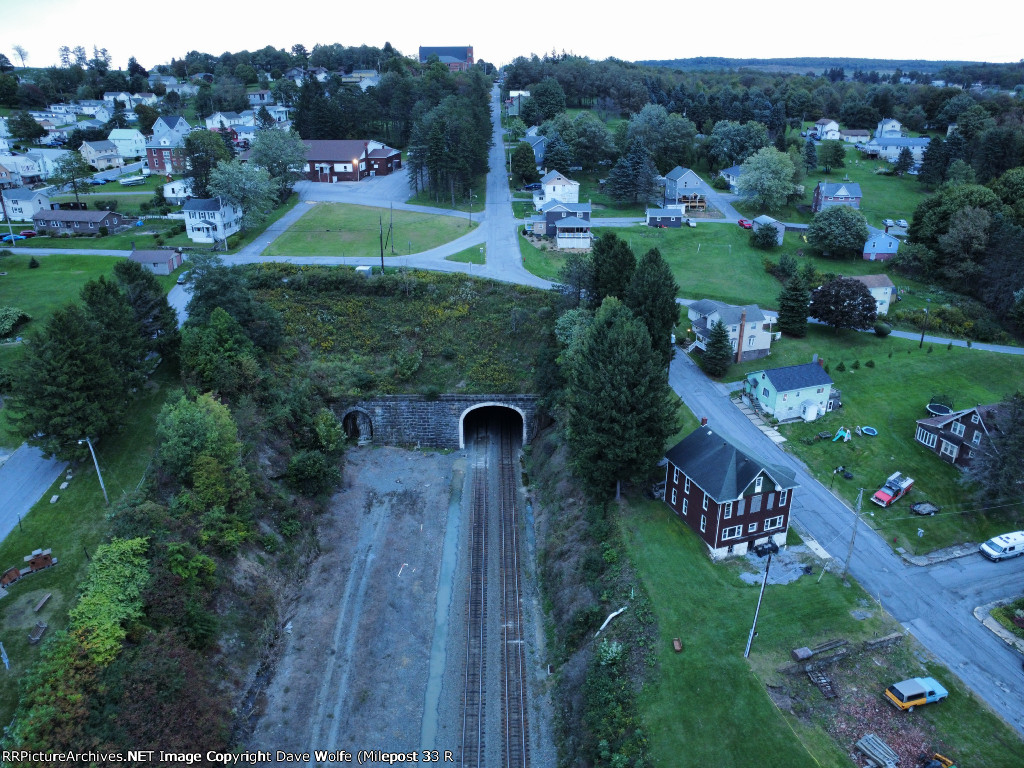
(330, 161)
(956, 437)
(731, 499)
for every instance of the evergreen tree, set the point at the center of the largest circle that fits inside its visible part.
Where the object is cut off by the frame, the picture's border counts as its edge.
(810, 156)
(904, 162)
(155, 319)
(832, 154)
(619, 407)
(718, 355)
(651, 295)
(524, 164)
(634, 177)
(793, 307)
(558, 155)
(576, 279)
(65, 387)
(117, 330)
(998, 467)
(614, 264)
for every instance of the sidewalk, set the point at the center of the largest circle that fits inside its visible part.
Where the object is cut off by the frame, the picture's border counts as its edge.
(983, 614)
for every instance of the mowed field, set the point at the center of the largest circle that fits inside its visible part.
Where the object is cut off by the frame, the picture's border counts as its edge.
(336, 229)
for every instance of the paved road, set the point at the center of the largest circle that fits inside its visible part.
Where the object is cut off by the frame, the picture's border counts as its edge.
(24, 478)
(934, 602)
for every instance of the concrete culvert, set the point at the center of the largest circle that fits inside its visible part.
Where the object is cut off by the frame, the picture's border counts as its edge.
(358, 426)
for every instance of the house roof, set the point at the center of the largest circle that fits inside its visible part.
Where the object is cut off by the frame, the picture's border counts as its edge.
(86, 216)
(384, 152)
(203, 204)
(454, 52)
(554, 177)
(856, 132)
(572, 222)
(677, 173)
(840, 189)
(734, 170)
(900, 141)
(875, 281)
(100, 146)
(825, 121)
(21, 193)
(124, 133)
(984, 411)
(765, 219)
(337, 150)
(150, 257)
(874, 233)
(720, 467)
(792, 377)
(552, 205)
(533, 139)
(729, 314)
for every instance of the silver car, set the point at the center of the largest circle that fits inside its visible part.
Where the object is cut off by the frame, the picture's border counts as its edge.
(889, 222)
(902, 223)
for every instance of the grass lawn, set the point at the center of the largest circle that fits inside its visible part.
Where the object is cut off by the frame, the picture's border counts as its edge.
(334, 229)
(143, 238)
(546, 264)
(711, 689)
(478, 188)
(127, 204)
(58, 280)
(603, 204)
(72, 527)
(523, 208)
(891, 397)
(476, 254)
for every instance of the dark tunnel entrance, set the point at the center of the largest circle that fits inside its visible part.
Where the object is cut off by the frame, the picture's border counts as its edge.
(489, 417)
(358, 427)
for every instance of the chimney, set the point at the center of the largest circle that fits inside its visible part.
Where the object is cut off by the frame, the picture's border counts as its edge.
(739, 339)
(815, 358)
(704, 421)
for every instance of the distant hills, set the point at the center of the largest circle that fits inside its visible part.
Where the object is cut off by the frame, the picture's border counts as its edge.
(802, 64)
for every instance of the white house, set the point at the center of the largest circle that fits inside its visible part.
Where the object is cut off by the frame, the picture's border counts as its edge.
(751, 329)
(97, 109)
(881, 288)
(261, 98)
(732, 175)
(855, 136)
(229, 120)
(23, 169)
(555, 186)
(182, 89)
(149, 99)
(129, 142)
(22, 203)
(889, 147)
(889, 127)
(826, 128)
(177, 192)
(211, 220)
(123, 96)
(880, 246)
(101, 155)
(5, 145)
(46, 160)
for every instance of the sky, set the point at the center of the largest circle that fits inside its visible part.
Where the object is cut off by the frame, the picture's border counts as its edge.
(154, 32)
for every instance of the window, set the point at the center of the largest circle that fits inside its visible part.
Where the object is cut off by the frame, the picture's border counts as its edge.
(675, 475)
(764, 392)
(686, 504)
(957, 428)
(948, 449)
(925, 437)
(732, 533)
(673, 496)
(727, 510)
(785, 397)
(752, 528)
(820, 390)
(686, 485)
(705, 501)
(975, 419)
(976, 438)
(751, 340)
(783, 498)
(772, 523)
(757, 484)
(703, 523)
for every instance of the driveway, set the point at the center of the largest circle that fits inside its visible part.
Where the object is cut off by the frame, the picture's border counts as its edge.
(934, 602)
(24, 479)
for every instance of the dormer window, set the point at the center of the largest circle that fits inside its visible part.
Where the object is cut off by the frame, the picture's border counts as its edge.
(757, 484)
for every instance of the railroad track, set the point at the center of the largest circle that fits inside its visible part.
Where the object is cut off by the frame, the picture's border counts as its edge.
(511, 678)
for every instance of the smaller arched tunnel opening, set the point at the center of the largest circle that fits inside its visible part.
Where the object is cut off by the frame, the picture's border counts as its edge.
(491, 418)
(358, 426)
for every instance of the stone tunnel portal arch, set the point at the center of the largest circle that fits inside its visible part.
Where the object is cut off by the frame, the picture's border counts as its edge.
(482, 410)
(358, 426)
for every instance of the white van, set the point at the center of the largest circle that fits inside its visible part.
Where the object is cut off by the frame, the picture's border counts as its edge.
(1005, 546)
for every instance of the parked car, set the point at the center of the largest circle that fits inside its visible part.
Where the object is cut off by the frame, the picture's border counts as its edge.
(183, 277)
(902, 223)
(11, 238)
(1004, 546)
(96, 182)
(896, 487)
(28, 233)
(691, 223)
(531, 187)
(745, 223)
(889, 222)
(907, 694)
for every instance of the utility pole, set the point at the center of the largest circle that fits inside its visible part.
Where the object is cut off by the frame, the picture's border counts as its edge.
(753, 627)
(391, 229)
(10, 227)
(853, 538)
(99, 474)
(381, 221)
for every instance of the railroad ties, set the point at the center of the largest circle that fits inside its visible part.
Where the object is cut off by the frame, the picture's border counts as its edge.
(473, 697)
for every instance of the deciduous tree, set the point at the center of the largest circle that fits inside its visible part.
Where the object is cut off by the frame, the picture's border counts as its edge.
(283, 155)
(997, 468)
(843, 303)
(767, 178)
(72, 172)
(22, 126)
(203, 151)
(839, 231)
(831, 154)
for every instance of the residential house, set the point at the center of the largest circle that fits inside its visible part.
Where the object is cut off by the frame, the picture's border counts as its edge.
(130, 142)
(881, 289)
(537, 144)
(682, 183)
(828, 194)
(880, 246)
(280, 115)
(110, 97)
(157, 262)
(732, 499)
(178, 191)
(23, 169)
(7, 176)
(555, 186)
(296, 74)
(551, 213)
(514, 102)
(22, 203)
(748, 322)
(5, 145)
(332, 161)
(671, 216)
(244, 135)
(889, 147)
(768, 221)
(573, 232)
(165, 149)
(826, 128)
(957, 436)
(731, 175)
(792, 392)
(4, 130)
(889, 127)
(101, 155)
(89, 222)
(145, 97)
(220, 120)
(855, 136)
(46, 160)
(364, 78)
(456, 58)
(211, 220)
(261, 98)
(183, 89)
(67, 111)
(154, 79)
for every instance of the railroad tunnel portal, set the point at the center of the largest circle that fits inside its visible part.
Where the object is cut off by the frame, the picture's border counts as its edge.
(489, 415)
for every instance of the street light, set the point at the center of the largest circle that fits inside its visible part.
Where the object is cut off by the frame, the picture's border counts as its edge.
(924, 325)
(98, 473)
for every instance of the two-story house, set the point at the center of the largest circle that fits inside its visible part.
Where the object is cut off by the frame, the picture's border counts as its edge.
(458, 58)
(538, 144)
(880, 246)
(220, 120)
(956, 437)
(165, 149)
(750, 328)
(129, 142)
(568, 223)
(889, 147)
(211, 220)
(22, 203)
(555, 186)
(792, 392)
(889, 127)
(24, 171)
(682, 183)
(841, 193)
(261, 98)
(826, 128)
(101, 155)
(731, 499)
(881, 289)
